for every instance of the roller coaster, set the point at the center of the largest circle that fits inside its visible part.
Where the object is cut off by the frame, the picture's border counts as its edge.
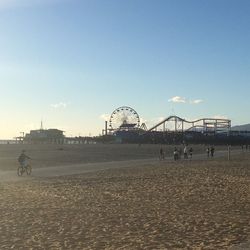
(204, 125)
(175, 129)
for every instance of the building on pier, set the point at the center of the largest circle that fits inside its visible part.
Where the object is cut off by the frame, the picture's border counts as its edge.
(45, 136)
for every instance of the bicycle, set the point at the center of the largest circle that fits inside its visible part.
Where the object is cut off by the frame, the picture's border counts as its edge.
(24, 169)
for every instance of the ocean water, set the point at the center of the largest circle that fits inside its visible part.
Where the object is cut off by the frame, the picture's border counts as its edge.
(9, 142)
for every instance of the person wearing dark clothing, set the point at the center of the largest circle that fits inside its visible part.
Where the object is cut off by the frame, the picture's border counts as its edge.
(176, 155)
(208, 152)
(191, 153)
(162, 156)
(212, 151)
(22, 159)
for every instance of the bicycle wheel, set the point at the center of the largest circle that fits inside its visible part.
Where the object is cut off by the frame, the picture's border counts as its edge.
(20, 171)
(28, 169)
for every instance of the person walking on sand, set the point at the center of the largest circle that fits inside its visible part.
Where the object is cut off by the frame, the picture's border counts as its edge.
(212, 151)
(185, 152)
(176, 154)
(162, 156)
(191, 152)
(208, 152)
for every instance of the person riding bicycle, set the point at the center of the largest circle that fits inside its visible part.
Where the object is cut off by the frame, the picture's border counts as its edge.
(22, 159)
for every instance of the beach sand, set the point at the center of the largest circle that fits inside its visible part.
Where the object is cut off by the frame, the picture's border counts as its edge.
(49, 155)
(183, 205)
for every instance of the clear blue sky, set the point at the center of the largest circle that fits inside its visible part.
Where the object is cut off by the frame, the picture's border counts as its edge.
(69, 62)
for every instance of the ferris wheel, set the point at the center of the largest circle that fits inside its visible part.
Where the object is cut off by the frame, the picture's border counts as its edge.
(124, 118)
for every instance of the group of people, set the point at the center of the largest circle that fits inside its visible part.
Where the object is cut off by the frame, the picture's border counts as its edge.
(187, 153)
(245, 146)
(210, 152)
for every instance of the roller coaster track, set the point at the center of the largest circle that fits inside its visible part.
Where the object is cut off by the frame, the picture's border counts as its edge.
(204, 124)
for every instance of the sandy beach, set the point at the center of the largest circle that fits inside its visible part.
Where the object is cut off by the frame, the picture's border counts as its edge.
(49, 155)
(199, 204)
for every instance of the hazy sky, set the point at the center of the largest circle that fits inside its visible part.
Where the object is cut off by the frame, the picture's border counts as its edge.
(72, 62)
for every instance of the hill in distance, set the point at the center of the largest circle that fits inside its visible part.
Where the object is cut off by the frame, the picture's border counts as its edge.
(245, 127)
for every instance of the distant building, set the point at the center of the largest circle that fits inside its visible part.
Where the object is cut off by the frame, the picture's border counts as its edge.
(45, 136)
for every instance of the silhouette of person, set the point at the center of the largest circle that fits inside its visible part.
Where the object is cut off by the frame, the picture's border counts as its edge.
(191, 152)
(212, 151)
(22, 159)
(208, 152)
(175, 154)
(185, 153)
(162, 157)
